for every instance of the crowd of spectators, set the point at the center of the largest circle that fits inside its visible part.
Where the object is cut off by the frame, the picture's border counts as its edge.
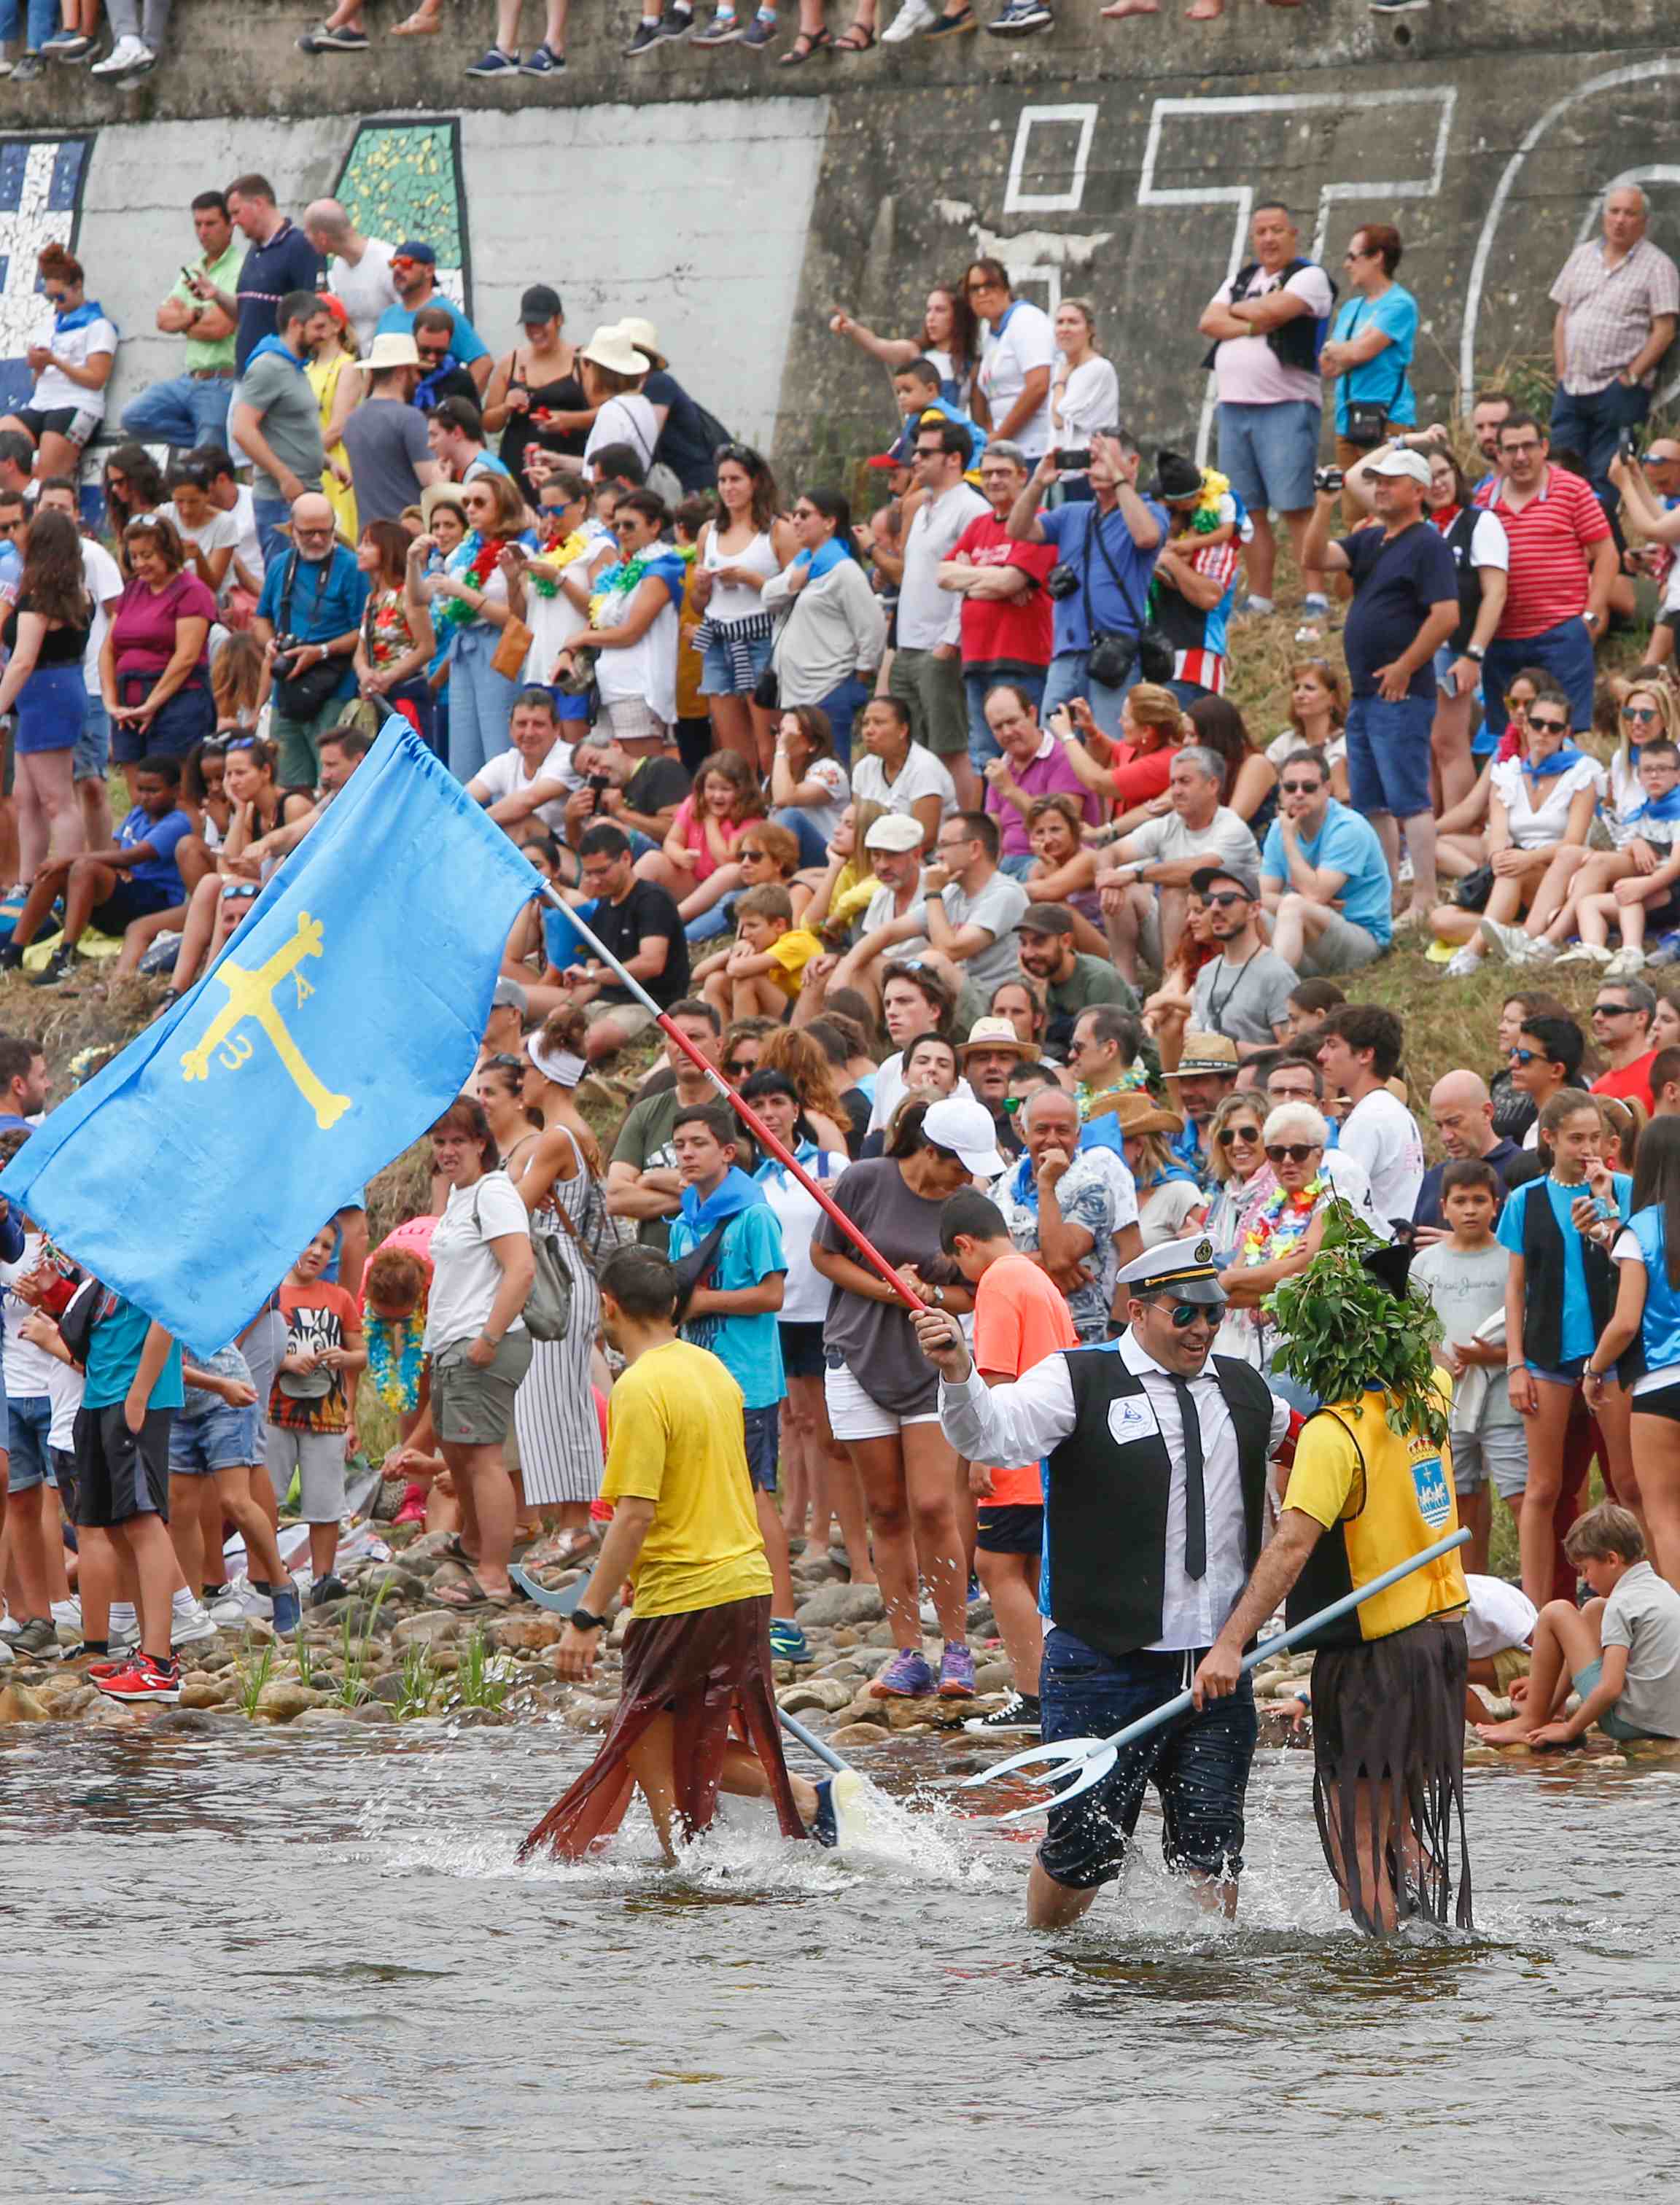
(938, 828)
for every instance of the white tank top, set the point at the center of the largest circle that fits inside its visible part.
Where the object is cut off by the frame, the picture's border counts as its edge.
(734, 601)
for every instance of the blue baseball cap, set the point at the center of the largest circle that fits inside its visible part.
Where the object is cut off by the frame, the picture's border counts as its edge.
(416, 249)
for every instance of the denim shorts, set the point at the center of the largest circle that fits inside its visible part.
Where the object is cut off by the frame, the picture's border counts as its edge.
(1198, 1763)
(30, 1463)
(222, 1439)
(93, 744)
(717, 668)
(1613, 1724)
(763, 1444)
(1388, 755)
(1269, 452)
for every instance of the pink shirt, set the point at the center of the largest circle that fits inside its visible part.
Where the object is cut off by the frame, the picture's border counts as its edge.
(1249, 371)
(143, 632)
(1047, 774)
(686, 822)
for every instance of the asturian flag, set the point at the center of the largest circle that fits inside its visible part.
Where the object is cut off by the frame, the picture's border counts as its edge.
(340, 1021)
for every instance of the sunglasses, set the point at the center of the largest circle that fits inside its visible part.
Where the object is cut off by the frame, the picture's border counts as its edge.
(1225, 901)
(1612, 1010)
(1523, 1056)
(1300, 788)
(1227, 1134)
(1640, 712)
(1548, 727)
(754, 855)
(1297, 1151)
(735, 1065)
(1185, 1313)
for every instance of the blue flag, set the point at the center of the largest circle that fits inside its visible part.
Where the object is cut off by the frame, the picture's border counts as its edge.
(340, 1021)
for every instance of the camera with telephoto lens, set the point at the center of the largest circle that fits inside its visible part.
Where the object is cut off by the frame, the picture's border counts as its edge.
(286, 649)
(1327, 478)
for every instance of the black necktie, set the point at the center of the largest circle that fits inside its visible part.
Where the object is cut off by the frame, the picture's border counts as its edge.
(1195, 1497)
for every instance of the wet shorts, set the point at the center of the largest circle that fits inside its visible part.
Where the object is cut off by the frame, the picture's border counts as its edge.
(1613, 1724)
(1014, 1528)
(122, 1474)
(1198, 1763)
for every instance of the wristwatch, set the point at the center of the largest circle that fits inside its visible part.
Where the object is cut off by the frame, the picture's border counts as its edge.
(581, 1620)
(1476, 651)
(936, 1296)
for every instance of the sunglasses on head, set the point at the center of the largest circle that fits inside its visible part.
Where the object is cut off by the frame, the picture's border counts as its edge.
(1227, 1134)
(1297, 1151)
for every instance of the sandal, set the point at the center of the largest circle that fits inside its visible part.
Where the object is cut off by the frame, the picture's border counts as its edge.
(857, 40)
(471, 1593)
(417, 26)
(805, 45)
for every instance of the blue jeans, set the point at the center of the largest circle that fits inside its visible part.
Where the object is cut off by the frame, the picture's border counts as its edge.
(185, 411)
(481, 701)
(843, 705)
(1069, 676)
(41, 22)
(983, 744)
(1566, 653)
(270, 515)
(813, 850)
(1592, 424)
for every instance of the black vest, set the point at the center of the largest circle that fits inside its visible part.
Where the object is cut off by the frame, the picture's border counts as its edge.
(1298, 341)
(1105, 1512)
(1457, 541)
(1543, 1290)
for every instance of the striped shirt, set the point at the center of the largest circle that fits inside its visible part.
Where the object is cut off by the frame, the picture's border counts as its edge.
(1198, 636)
(1550, 537)
(1610, 310)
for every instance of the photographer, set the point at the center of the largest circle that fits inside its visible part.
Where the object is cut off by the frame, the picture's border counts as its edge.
(1106, 553)
(1405, 605)
(308, 621)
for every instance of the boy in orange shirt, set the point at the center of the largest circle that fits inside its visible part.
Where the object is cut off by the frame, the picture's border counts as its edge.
(309, 1404)
(1019, 1317)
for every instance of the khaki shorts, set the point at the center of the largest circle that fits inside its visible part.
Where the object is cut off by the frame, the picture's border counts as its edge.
(1510, 1663)
(474, 1407)
(1341, 947)
(631, 1019)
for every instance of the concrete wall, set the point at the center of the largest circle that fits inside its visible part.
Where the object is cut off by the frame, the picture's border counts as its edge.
(1118, 161)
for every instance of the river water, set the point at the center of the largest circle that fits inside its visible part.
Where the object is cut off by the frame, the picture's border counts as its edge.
(294, 1966)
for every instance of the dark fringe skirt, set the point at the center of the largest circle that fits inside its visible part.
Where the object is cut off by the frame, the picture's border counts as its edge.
(1391, 1715)
(709, 1668)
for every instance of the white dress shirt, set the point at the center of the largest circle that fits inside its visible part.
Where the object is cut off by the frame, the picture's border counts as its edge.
(1023, 1422)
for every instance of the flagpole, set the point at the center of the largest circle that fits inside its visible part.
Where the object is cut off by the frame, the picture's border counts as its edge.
(760, 1131)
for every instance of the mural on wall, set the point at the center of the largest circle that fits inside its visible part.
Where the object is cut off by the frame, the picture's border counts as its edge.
(403, 180)
(40, 203)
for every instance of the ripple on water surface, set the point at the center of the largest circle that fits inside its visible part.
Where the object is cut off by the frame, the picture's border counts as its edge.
(312, 1966)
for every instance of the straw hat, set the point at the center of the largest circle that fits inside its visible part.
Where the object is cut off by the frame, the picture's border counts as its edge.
(1138, 1113)
(644, 337)
(393, 348)
(442, 493)
(997, 1033)
(609, 347)
(1205, 1055)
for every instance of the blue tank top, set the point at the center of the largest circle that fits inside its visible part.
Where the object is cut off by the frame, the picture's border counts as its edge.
(1659, 1328)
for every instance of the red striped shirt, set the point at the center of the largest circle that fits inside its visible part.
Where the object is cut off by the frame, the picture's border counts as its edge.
(1550, 539)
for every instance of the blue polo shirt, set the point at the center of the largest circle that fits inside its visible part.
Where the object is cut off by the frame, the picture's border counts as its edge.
(323, 606)
(1346, 843)
(160, 870)
(1383, 381)
(1101, 600)
(467, 344)
(288, 262)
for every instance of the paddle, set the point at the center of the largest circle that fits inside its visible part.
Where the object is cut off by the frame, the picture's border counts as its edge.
(760, 1131)
(1087, 1761)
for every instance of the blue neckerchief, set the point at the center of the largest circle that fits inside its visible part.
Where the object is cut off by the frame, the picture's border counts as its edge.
(425, 390)
(734, 1193)
(1660, 807)
(804, 1152)
(272, 344)
(79, 317)
(1023, 1186)
(824, 559)
(1007, 317)
(1559, 762)
(659, 563)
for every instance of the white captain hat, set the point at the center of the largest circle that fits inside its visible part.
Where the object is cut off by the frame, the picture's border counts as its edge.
(1184, 1268)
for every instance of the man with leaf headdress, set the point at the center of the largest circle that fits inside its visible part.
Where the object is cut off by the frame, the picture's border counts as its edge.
(1371, 1484)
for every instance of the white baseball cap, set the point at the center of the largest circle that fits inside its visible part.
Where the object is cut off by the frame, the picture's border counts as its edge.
(965, 1127)
(1402, 462)
(895, 830)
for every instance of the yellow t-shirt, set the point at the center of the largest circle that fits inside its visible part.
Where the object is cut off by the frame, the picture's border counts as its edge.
(674, 1437)
(1379, 1499)
(790, 954)
(854, 892)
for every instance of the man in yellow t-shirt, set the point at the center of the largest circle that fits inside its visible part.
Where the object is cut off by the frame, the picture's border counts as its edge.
(1388, 1679)
(684, 1535)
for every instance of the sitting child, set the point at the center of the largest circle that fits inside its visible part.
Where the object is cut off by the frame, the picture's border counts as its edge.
(1622, 1651)
(758, 976)
(1644, 900)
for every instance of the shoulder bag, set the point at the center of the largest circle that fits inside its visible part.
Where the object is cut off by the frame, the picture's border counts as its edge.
(301, 696)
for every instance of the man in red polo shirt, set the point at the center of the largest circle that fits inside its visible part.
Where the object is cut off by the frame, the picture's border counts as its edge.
(1563, 562)
(1621, 1013)
(1005, 614)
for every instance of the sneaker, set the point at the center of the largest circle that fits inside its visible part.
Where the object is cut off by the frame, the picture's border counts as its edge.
(1020, 18)
(646, 39)
(1396, 7)
(67, 46)
(1542, 952)
(1625, 965)
(1667, 952)
(906, 1677)
(760, 32)
(140, 1677)
(327, 1588)
(190, 1624)
(126, 54)
(675, 24)
(915, 15)
(1253, 607)
(1584, 953)
(956, 1673)
(724, 28)
(495, 64)
(1511, 940)
(240, 1602)
(28, 67)
(1018, 1713)
(11, 957)
(36, 1636)
(57, 968)
(321, 40)
(787, 1642)
(542, 60)
(122, 1638)
(66, 1620)
(947, 26)
(1465, 963)
(287, 1612)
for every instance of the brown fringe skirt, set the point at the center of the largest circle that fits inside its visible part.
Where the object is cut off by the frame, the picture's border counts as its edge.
(710, 1669)
(1388, 1738)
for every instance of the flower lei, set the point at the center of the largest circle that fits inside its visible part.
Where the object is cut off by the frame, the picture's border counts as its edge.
(544, 576)
(482, 552)
(1216, 489)
(1135, 1077)
(616, 581)
(1280, 1221)
(395, 1355)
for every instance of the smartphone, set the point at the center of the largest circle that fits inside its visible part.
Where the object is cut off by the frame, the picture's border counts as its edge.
(1073, 463)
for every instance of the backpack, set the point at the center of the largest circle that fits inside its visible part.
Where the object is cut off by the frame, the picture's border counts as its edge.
(548, 1307)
